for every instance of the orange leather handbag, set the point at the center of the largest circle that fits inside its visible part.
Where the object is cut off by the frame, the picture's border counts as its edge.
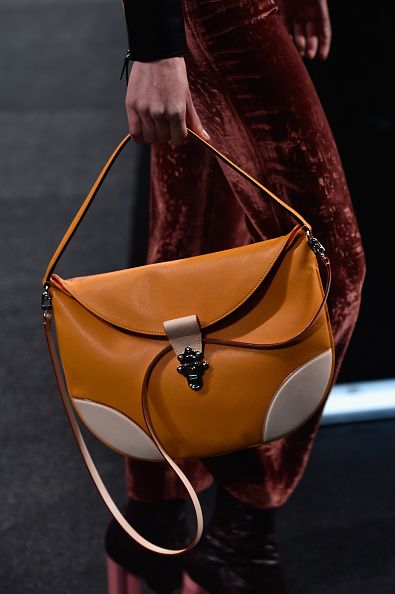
(193, 357)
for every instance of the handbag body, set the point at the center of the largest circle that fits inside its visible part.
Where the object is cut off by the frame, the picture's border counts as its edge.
(194, 357)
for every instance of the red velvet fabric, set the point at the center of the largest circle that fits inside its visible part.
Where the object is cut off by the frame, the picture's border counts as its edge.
(256, 100)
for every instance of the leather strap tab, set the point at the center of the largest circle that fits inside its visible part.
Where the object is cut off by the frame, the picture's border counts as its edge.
(183, 332)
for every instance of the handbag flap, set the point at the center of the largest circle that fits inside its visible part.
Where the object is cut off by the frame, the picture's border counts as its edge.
(210, 285)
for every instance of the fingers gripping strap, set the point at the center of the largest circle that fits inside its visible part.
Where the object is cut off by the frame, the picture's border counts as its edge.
(93, 471)
(96, 186)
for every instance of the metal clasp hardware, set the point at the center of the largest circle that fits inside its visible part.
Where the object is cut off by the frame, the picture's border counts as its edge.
(192, 367)
(315, 245)
(46, 303)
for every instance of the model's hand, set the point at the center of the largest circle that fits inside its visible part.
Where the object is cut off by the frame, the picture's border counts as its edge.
(159, 104)
(309, 24)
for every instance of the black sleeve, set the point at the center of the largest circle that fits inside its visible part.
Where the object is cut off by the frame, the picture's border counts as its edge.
(155, 29)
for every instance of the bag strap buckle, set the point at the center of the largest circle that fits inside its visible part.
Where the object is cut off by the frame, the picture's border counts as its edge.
(316, 245)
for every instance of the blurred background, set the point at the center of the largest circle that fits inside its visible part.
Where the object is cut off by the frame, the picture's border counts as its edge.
(61, 113)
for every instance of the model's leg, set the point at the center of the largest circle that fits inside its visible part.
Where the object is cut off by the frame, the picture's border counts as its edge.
(267, 118)
(163, 522)
(253, 95)
(259, 106)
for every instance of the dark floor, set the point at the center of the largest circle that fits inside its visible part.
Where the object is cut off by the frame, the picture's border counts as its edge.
(61, 112)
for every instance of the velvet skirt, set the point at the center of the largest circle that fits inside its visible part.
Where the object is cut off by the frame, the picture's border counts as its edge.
(255, 98)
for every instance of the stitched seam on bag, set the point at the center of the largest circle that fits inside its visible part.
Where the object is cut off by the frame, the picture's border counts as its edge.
(288, 378)
(155, 332)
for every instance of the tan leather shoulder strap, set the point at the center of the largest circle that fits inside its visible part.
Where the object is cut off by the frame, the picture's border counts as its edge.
(102, 175)
(83, 209)
(291, 211)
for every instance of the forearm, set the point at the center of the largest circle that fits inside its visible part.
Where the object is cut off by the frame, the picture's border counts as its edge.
(155, 29)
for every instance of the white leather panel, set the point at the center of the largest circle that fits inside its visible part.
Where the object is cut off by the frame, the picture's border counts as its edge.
(117, 430)
(298, 396)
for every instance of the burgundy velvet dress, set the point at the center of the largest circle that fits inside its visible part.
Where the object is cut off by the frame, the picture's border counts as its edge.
(255, 98)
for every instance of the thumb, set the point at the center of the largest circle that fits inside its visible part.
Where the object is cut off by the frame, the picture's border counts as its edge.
(193, 120)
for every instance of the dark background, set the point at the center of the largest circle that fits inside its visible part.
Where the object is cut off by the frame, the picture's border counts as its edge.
(61, 113)
(356, 89)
